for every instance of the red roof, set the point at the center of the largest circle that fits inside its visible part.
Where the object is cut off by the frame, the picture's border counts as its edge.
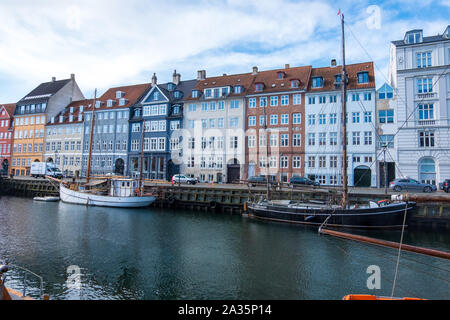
(9, 107)
(329, 73)
(131, 94)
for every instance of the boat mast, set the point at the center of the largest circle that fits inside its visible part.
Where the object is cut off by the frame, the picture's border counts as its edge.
(88, 174)
(141, 188)
(344, 123)
(267, 155)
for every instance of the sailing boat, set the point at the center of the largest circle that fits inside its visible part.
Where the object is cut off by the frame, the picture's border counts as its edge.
(118, 192)
(372, 215)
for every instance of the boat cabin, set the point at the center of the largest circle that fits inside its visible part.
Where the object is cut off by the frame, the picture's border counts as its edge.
(124, 187)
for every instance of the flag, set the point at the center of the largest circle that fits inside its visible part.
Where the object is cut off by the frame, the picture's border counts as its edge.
(339, 11)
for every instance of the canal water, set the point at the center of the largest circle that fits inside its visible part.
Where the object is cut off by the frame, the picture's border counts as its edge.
(161, 254)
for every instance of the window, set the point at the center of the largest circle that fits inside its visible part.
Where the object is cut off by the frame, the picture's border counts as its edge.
(333, 161)
(333, 118)
(322, 161)
(262, 140)
(386, 92)
(367, 96)
(311, 139)
(273, 161)
(259, 87)
(333, 138)
(262, 120)
(296, 162)
(212, 123)
(284, 100)
(322, 138)
(273, 119)
(355, 117)
(423, 59)
(297, 99)
(333, 99)
(355, 97)
(294, 83)
(221, 105)
(234, 122)
(368, 138)
(426, 112)
(311, 162)
(363, 77)
(426, 139)
(368, 117)
(204, 107)
(284, 119)
(356, 138)
(386, 116)
(252, 103)
(263, 102)
(297, 140)
(251, 141)
(317, 82)
(427, 171)
(192, 107)
(386, 140)
(274, 101)
(252, 121)
(425, 85)
(284, 140)
(322, 119)
(234, 104)
(311, 100)
(284, 162)
(297, 118)
(311, 119)
(322, 99)
(212, 106)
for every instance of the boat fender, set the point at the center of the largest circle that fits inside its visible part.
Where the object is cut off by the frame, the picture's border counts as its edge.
(212, 204)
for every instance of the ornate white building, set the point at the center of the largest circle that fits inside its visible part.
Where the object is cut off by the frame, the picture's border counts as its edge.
(420, 75)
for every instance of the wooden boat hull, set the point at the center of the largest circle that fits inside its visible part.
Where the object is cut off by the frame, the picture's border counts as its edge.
(87, 199)
(390, 216)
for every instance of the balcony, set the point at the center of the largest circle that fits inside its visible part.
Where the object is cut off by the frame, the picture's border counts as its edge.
(428, 95)
(426, 122)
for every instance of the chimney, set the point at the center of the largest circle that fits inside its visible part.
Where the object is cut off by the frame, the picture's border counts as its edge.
(72, 76)
(287, 66)
(255, 71)
(176, 77)
(333, 63)
(201, 75)
(53, 79)
(154, 80)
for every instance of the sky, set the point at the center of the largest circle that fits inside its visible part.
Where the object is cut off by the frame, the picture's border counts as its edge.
(109, 43)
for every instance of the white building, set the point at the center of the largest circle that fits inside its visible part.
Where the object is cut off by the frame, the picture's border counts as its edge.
(323, 126)
(214, 128)
(420, 75)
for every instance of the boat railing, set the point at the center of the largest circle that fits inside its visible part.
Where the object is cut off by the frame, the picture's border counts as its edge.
(25, 280)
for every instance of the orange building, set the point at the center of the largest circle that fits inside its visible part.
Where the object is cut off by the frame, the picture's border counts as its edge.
(32, 113)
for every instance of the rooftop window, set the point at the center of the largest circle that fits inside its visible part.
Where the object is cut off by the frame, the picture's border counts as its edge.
(317, 82)
(363, 77)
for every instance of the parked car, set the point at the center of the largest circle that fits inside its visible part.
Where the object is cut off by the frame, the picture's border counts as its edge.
(408, 184)
(446, 185)
(181, 178)
(260, 180)
(296, 180)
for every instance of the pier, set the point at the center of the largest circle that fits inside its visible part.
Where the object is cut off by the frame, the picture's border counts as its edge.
(232, 199)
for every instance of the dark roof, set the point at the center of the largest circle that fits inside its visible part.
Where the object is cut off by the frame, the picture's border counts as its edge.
(440, 37)
(185, 87)
(87, 105)
(43, 92)
(9, 107)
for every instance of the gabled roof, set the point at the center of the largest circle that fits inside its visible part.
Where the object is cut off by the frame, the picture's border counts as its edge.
(43, 92)
(245, 80)
(9, 107)
(185, 87)
(328, 75)
(87, 105)
(273, 84)
(131, 93)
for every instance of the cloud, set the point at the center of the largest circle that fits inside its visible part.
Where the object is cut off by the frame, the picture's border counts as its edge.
(112, 42)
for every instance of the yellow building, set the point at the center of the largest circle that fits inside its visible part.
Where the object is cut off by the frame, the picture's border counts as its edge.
(30, 117)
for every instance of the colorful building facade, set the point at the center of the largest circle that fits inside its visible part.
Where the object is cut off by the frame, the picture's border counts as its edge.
(6, 136)
(31, 115)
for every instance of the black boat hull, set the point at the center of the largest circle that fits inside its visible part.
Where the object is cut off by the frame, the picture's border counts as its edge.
(390, 216)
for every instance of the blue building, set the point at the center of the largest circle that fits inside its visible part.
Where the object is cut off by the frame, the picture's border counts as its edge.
(160, 113)
(110, 136)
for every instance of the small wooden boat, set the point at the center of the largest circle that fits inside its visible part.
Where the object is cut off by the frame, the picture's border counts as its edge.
(46, 199)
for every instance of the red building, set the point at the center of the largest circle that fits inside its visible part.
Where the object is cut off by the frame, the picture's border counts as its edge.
(6, 136)
(276, 99)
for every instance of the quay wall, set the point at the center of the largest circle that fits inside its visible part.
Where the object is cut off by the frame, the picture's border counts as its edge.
(231, 199)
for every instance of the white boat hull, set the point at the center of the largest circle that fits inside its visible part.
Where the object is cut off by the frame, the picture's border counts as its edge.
(87, 199)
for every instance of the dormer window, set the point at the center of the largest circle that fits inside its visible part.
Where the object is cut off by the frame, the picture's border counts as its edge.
(98, 104)
(295, 83)
(81, 109)
(61, 118)
(110, 103)
(178, 94)
(216, 93)
(53, 120)
(171, 86)
(71, 110)
(137, 112)
(238, 89)
(281, 75)
(317, 82)
(337, 79)
(80, 117)
(259, 87)
(71, 118)
(120, 94)
(208, 93)
(363, 77)
(123, 101)
(413, 37)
